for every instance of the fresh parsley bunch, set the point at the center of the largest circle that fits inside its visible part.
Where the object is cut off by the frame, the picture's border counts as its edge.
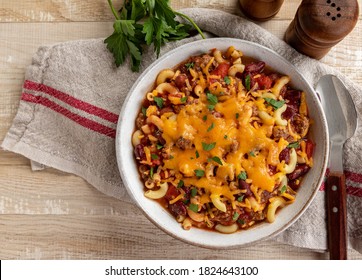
(143, 22)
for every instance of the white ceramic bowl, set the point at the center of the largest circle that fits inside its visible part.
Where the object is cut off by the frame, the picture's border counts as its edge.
(162, 218)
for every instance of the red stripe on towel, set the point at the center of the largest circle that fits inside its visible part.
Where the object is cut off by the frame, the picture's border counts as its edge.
(355, 177)
(76, 103)
(355, 191)
(100, 128)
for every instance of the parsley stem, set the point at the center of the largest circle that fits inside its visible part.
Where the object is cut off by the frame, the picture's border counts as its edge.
(113, 10)
(192, 22)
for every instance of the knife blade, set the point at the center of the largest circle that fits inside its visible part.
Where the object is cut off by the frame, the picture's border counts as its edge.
(341, 117)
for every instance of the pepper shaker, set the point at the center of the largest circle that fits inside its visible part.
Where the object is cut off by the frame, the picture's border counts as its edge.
(320, 24)
(260, 10)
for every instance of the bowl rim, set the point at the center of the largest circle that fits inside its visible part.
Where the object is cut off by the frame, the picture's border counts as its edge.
(230, 41)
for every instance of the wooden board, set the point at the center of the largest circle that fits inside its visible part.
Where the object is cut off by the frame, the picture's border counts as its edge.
(54, 215)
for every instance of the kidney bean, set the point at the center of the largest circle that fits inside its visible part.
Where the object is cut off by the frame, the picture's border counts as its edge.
(293, 97)
(290, 112)
(139, 152)
(254, 68)
(245, 186)
(298, 172)
(178, 208)
(272, 169)
(158, 135)
(180, 81)
(165, 110)
(294, 184)
(285, 155)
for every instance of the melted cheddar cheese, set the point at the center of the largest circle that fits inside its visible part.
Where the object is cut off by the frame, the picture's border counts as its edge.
(224, 132)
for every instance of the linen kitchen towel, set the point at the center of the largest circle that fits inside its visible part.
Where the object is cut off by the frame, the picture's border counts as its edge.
(73, 93)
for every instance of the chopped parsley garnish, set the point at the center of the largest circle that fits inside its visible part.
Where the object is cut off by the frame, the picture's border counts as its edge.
(189, 65)
(237, 115)
(193, 192)
(242, 175)
(227, 80)
(208, 147)
(153, 156)
(180, 184)
(252, 154)
(193, 207)
(217, 160)
(236, 216)
(210, 107)
(151, 172)
(199, 172)
(283, 189)
(276, 104)
(225, 136)
(204, 118)
(211, 127)
(197, 154)
(212, 99)
(159, 101)
(294, 145)
(159, 146)
(171, 157)
(240, 198)
(184, 99)
(242, 222)
(247, 82)
(144, 111)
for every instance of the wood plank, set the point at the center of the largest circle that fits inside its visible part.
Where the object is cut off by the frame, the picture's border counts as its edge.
(95, 10)
(54, 192)
(110, 237)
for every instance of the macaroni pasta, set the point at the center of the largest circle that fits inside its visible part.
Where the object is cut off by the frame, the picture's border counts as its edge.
(221, 141)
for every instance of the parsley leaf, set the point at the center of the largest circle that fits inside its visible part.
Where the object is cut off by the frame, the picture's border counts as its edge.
(189, 65)
(252, 154)
(197, 154)
(247, 82)
(210, 127)
(193, 207)
(159, 146)
(217, 160)
(183, 99)
(242, 175)
(151, 172)
(236, 216)
(237, 115)
(227, 80)
(276, 104)
(212, 99)
(208, 147)
(193, 192)
(153, 156)
(283, 189)
(144, 111)
(204, 118)
(159, 101)
(180, 184)
(294, 145)
(240, 198)
(225, 136)
(199, 172)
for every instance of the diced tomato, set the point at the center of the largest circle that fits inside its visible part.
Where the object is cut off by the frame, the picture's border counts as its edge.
(264, 82)
(309, 148)
(221, 70)
(172, 192)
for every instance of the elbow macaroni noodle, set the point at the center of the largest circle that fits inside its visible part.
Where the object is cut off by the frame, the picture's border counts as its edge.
(222, 141)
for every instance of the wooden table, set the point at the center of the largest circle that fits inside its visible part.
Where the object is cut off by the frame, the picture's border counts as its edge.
(54, 215)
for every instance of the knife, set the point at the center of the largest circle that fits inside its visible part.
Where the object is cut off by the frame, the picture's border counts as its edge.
(341, 117)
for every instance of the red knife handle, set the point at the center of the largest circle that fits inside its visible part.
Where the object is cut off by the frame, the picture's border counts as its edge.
(337, 216)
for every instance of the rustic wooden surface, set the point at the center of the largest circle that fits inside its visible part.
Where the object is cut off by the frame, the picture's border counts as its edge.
(53, 215)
